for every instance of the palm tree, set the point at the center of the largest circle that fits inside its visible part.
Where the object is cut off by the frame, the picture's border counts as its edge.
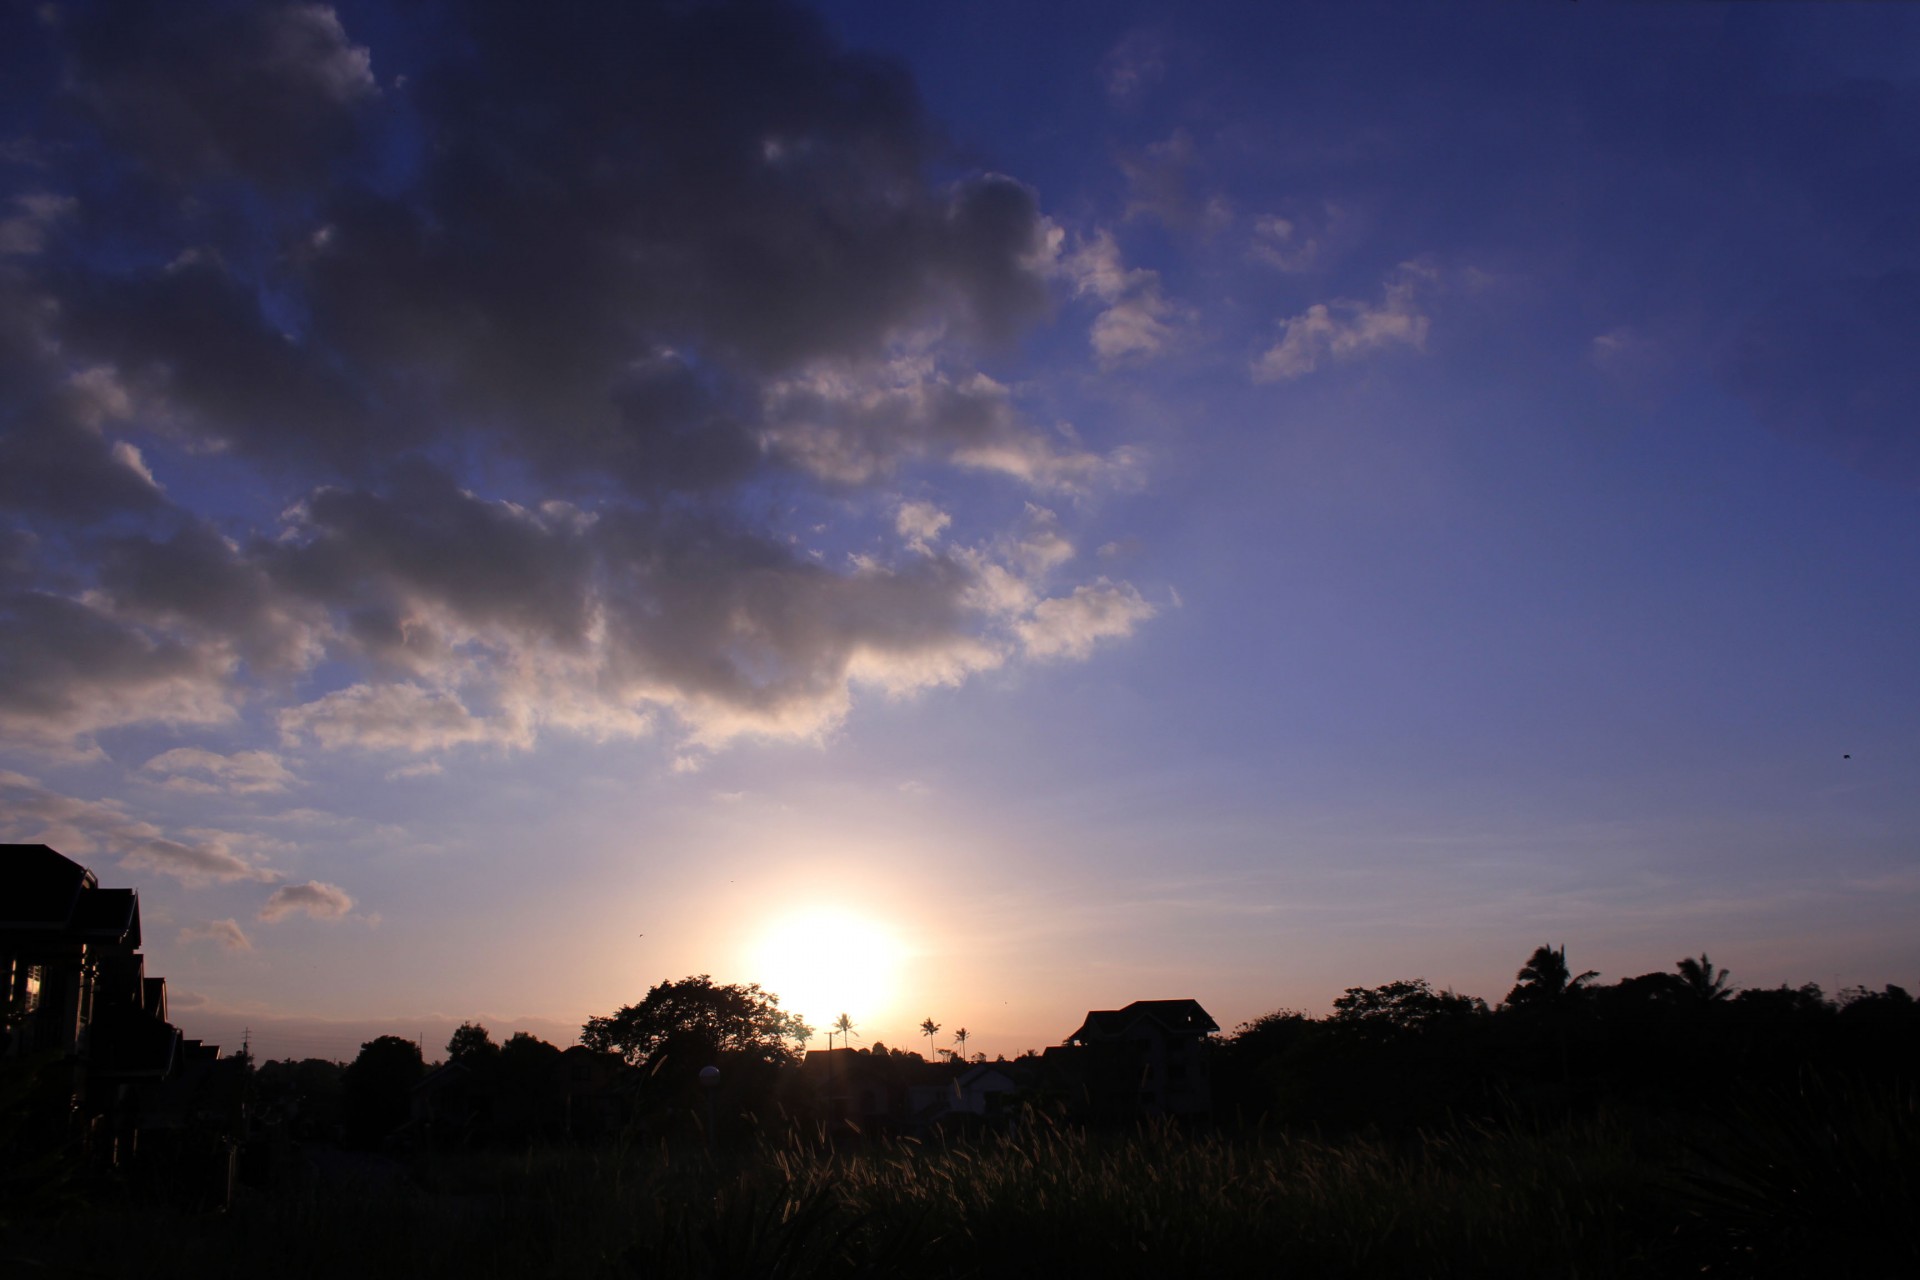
(960, 1039)
(1701, 982)
(1546, 990)
(844, 1025)
(1545, 980)
(927, 1029)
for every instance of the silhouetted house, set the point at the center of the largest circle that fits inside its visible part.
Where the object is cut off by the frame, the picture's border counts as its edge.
(892, 1090)
(1147, 1059)
(595, 1092)
(980, 1091)
(841, 1081)
(77, 991)
(453, 1103)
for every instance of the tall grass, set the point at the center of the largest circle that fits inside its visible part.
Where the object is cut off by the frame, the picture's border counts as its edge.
(1592, 1199)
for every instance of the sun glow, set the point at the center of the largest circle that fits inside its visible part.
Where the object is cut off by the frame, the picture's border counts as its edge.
(826, 961)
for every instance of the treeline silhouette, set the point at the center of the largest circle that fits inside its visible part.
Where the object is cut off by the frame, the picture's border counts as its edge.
(1398, 1058)
(1406, 1056)
(1668, 1124)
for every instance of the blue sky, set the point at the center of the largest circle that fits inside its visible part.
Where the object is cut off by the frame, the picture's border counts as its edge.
(986, 513)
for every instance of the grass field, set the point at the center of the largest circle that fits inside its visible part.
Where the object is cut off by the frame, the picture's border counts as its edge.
(1761, 1193)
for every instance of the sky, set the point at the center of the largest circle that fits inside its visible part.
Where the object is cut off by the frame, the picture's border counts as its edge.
(962, 512)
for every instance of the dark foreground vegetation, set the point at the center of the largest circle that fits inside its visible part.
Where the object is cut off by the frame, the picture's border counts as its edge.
(1820, 1182)
(1664, 1125)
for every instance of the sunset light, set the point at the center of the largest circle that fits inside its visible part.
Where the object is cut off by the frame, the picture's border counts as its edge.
(825, 961)
(1350, 563)
(948, 518)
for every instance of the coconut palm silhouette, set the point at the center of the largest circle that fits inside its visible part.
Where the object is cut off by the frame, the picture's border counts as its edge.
(1701, 982)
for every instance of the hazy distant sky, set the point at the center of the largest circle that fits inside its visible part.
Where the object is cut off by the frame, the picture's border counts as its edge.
(1035, 505)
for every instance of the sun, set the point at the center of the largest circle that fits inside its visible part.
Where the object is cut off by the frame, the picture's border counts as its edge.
(825, 961)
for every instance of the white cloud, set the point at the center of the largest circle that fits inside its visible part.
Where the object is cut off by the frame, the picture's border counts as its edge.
(316, 899)
(425, 769)
(856, 422)
(244, 772)
(1135, 323)
(921, 524)
(1069, 626)
(1345, 330)
(227, 933)
(391, 717)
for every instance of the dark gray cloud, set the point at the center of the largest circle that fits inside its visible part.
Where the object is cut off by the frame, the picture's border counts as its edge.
(616, 214)
(266, 92)
(428, 543)
(199, 582)
(69, 667)
(499, 356)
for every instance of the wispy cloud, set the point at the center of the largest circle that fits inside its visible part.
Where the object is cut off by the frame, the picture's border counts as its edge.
(1346, 330)
(314, 898)
(227, 933)
(32, 812)
(244, 772)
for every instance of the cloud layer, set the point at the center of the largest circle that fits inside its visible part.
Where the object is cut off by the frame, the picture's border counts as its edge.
(562, 376)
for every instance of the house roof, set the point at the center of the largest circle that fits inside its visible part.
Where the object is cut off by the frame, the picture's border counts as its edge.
(108, 915)
(38, 887)
(126, 1043)
(1170, 1017)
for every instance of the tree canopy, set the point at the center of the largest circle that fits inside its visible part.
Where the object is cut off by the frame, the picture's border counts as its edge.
(1545, 981)
(1405, 1004)
(376, 1085)
(472, 1045)
(695, 1018)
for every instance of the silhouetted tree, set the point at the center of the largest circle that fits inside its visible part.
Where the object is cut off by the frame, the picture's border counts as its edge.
(472, 1046)
(694, 1021)
(960, 1039)
(1404, 1006)
(844, 1025)
(1544, 993)
(1701, 983)
(531, 1101)
(1545, 981)
(377, 1085)
(928, 1029)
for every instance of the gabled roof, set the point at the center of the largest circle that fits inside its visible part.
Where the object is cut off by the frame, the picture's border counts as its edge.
(128, 1043)
(1169, 1017)
(38, 887)
(108, 915)
(980, 1072)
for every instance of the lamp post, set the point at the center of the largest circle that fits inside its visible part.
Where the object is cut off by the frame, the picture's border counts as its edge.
(709, 1081)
